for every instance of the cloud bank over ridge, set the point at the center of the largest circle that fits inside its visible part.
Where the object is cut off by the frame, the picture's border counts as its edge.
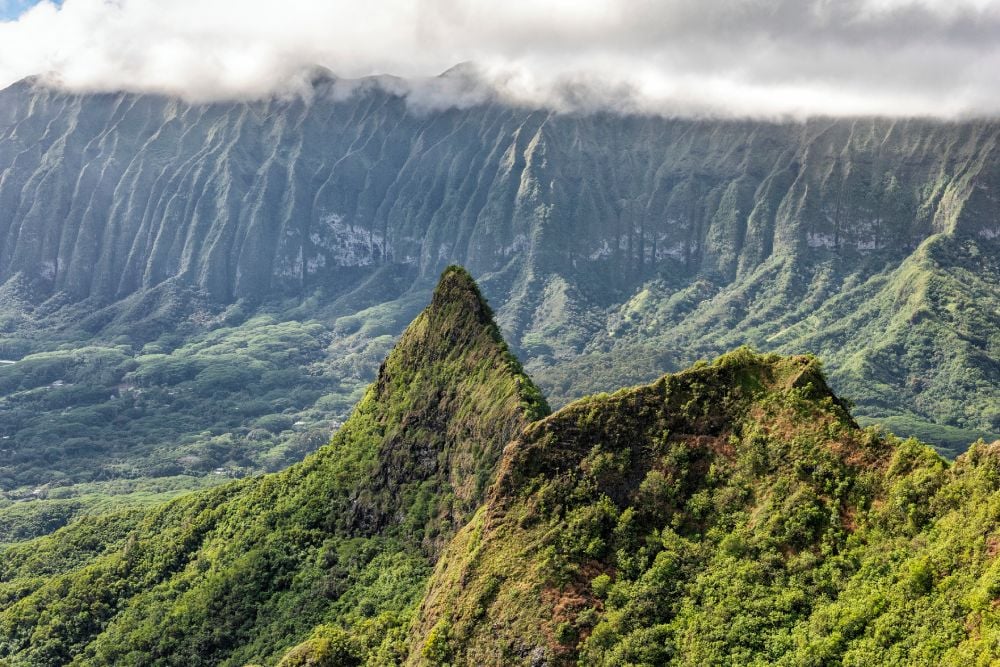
(766, 58)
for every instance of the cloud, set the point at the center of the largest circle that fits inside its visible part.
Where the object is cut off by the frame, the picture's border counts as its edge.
(679, 57)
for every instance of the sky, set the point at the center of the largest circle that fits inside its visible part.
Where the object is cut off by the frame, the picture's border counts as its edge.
(11, 9)
(756, 58)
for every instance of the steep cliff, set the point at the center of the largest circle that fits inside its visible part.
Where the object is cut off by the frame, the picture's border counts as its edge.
(105, 195)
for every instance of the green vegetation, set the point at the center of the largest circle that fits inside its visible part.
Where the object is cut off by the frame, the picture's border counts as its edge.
(733, 513)
(214, 398)
(221, 306)
(253, 389)
(914, 346)
(166, 409)
(209, 304)
(50, 508)
(344, 539)
(729, 514)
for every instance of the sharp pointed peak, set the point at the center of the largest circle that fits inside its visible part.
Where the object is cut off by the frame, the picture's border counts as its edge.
(457, 277)
(457, 288)
(458, 324)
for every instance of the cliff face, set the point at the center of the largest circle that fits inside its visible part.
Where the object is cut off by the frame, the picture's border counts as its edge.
(613, 248)
(104, 195)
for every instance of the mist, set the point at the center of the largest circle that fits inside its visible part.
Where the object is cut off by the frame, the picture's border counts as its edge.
(754, 58)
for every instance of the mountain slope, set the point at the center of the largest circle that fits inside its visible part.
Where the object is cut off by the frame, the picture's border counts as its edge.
(108, 195)
(347, 536)
(917, 343)
(729, 514)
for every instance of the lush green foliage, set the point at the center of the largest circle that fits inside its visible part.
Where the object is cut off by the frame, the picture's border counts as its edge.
(346, 538)
(914, 345)
(248, 389)
(733, 513)
(49, 508)
(218, 396)
(227, 397)
(729, 514)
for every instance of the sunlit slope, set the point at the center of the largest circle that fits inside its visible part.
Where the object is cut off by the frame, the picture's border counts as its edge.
(244, 571)
(732, 513)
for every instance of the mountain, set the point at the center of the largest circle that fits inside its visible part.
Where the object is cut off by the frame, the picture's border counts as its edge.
(730, 513)
(347, 536)
(191, 293)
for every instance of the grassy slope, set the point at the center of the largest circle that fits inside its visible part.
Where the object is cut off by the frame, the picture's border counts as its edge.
(733, 512)
(241, 571)
(730, 514)
(915, 346)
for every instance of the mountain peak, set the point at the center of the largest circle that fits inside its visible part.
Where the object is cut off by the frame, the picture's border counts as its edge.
(405, 471)
(456, 286)
(595, 483)
(447, 399)
(457, 304)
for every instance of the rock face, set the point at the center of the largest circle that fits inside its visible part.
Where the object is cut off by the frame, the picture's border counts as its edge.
(720, 228)
(104, 195)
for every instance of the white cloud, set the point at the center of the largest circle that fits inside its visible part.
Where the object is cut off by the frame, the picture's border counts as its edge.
(732, 57)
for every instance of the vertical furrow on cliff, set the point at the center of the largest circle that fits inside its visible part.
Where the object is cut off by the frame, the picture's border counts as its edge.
(106, 160)
(386, 145)
(978, 201)
(47, 216)
(493, 136)
(758, 244)
(294, 206)
(463, 151)
(463, 155)
(157, 212)
(217, 213)
(382, 178)
(533, 212)
(260, 225)
(26, 236)
(273, 216)
(177, 178)
(383, 148)
(494, 232)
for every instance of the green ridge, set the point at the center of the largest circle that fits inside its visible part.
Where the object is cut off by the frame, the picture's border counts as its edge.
(732, 513)
(243, 571)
